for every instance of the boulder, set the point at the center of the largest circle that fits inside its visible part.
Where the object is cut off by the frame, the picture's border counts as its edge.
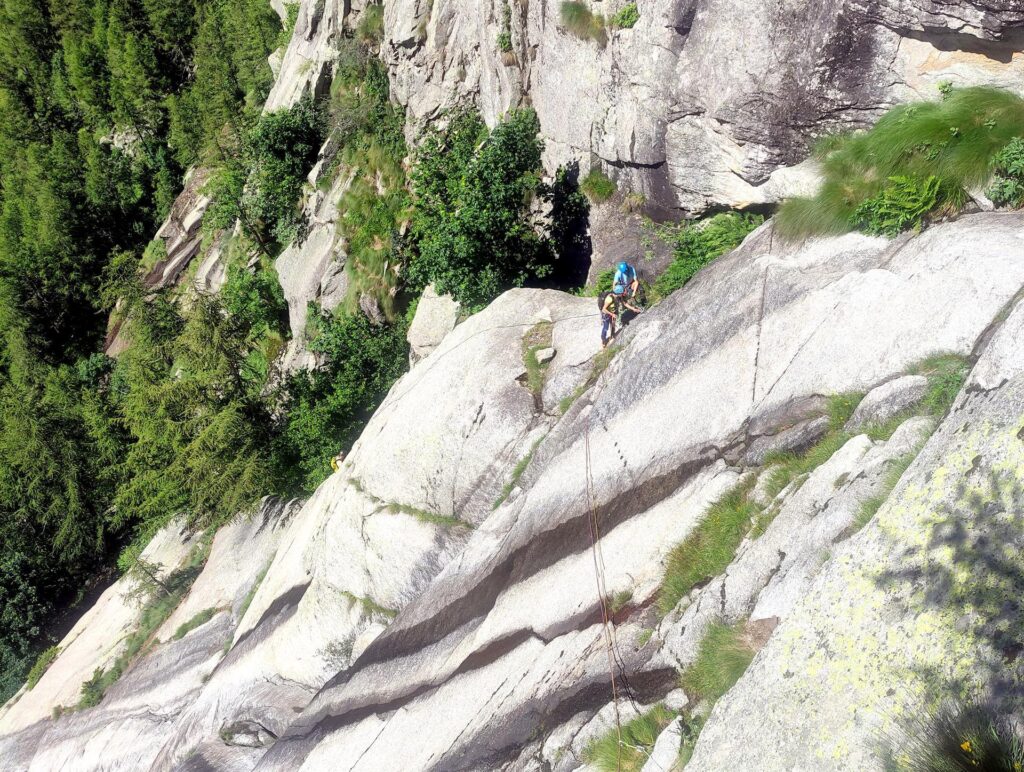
(436, 316)
(666, 749)
(888, 401)
(792, 440)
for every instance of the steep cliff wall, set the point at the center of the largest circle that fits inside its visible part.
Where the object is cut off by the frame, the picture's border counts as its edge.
(497, 656)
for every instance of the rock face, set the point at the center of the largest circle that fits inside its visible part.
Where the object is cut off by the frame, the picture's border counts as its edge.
(703, 102)
(921, 603)
(436, 316)
(509, 637)
(433, 605)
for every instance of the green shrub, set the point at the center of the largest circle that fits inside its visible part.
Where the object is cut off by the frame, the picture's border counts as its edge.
(710, 546)
(627, 17)
(955, 141)
(608, 754)
(723, 657)
(326, 409)
(41, 666)
(695, 246)
(198, 620)
(597, 186)
(901, 205)
(1008, 185)
(473, 232)
(956, 737)
(505, 36)
(583, 23)
(371, 24)
(263, 185)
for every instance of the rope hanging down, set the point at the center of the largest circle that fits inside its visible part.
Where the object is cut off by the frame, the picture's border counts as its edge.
(615, 662)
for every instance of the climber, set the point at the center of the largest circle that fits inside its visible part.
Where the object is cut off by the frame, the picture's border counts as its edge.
(625, 279)
(337, 461)
(608, 302)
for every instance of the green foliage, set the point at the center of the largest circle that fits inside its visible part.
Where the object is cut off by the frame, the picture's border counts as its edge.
(627, 17)
(262, 184)
(1008, 183)
(946, 375)
(610, 753)
(597, 186)
(371, 24)
(724, 655)
(326, 408)
(505, 36)
(695, 246)
(583, 23)
(473, 233)
(901, 205)
(376, 204)
(957, 736)
(709, 547)
(42, 664)
(956, 141)
(198, 620)
(288, 26)
(200, 430)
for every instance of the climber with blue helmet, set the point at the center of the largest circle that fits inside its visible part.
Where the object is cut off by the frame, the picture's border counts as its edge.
(625, 279)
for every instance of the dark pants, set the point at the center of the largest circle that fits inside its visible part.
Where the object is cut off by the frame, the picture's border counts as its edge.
(607, 327)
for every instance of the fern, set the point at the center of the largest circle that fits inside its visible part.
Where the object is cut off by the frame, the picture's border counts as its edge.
(899, 206)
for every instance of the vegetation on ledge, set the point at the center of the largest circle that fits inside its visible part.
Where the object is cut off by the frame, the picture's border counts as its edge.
(917, 163)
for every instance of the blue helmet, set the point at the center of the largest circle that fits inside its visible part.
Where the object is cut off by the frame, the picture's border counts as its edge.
(623, 267)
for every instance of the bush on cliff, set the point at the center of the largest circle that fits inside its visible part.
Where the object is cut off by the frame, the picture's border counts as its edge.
(1008, 185)
(694, 246)
(473, 232)
(954, 142)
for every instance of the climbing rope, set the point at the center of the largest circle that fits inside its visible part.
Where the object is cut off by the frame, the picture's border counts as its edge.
(615, 663)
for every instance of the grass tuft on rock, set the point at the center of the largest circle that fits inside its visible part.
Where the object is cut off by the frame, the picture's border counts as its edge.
(627, 17)
(893, 474)
(954, 142)
(41, 666)
(946, 374)
(607, 754)
(198, 620)
(724, 655)
(597, 186)
(955, 737)
(710, 546)
(789, 466)
(578, 19)
(517, 473)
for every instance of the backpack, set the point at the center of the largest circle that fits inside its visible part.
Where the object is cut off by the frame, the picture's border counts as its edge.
(602, 297)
